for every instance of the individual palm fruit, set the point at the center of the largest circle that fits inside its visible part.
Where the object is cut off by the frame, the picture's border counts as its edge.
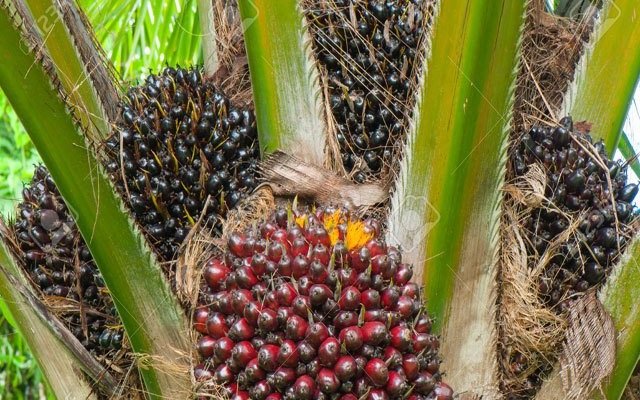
(61, 266)
(578, 175)
(180, 146)
(369, 53)
(316, 305)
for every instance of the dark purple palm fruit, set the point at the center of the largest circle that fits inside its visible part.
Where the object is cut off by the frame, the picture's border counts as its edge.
(578, 172)
(370, 94)
(60, 264)
(317, 332)
(180, 143)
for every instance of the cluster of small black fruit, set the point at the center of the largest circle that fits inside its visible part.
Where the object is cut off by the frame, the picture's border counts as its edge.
(180, 146)
(581, 183)
(60, 264)
(369, 50)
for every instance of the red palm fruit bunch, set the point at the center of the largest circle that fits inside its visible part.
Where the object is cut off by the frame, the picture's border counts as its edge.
(315, 305)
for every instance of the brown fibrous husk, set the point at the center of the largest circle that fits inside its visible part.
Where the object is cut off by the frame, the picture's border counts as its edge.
(232, 74)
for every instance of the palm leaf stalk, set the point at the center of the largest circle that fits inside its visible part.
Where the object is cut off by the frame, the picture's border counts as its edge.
(154, 321)
(445, 209)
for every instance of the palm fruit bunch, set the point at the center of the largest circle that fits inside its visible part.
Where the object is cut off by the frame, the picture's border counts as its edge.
(315, 305)
(368, 52)
(181, 146)
(578, 173)
(61, 266)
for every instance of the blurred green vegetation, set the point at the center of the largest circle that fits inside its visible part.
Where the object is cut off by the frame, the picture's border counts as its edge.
(138, 37)
(17, 157)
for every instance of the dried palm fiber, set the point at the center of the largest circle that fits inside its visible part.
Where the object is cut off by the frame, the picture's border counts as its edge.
(558, 218)
(370, 57)
(232, 73)
(632, 392)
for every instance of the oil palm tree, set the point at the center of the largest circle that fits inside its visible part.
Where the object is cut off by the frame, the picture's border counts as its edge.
(446, 206)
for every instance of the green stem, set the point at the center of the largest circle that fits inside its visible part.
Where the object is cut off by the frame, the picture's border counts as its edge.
(284, 80)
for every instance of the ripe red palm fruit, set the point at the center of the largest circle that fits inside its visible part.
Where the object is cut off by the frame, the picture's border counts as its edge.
(397, 384)
(320, 253)
(378, 394)
(411, 290)
(236, 244)
(443, 391)
(285, 293)
(403, 274)
(241, 330)
(200, 317)
(374, 333)
(217, 325)
(304, 388)
(268, 320)
(260, 390)
(222, 349)
(307, 351)
(316, 334)
(223, 374)
(350, 299)
(282, 378)
(392, 357)
(245, 278)
(288, 355)
(241, 395)
(351, 338)
(424, 383)
(377, 372)
(401, 338)
(319, 294)
(215, 274)
(319, 331)
(296, 328)
(329, 352)
(421, 341)
(423, 324)
(268, 357)
(205, 346)
(239, 299)
(252, 311)
(406, 307)
(327, 381)
(243, 352)
(253, 372)
(345, 368)
(389, 297)
(410, 366)
(345, 319)
(202, 373)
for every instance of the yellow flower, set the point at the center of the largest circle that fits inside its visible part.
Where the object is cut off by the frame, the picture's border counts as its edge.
(302, 220)
(331, 223)
(356, 235)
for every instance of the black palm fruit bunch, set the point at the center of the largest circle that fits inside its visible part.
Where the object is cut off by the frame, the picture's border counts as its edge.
(60, 265)
(316, 306)
(181, 146)
(369, 53)
(583, 186)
